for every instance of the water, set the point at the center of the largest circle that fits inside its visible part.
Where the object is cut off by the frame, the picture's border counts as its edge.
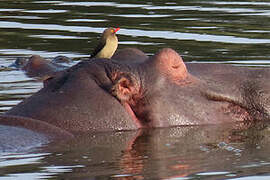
(234, 32)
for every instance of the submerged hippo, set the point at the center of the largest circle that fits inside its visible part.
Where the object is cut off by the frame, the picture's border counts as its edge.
(159, 91)
(39, 67)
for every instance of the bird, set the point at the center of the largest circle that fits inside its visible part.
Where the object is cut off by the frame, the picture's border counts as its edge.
(107, 45)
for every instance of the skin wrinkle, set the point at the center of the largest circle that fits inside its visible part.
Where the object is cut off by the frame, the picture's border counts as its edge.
(144, 92)
(234, 106)
(114, 73)
(137, 101)
(253, 98)
(251, 101)
(158, 78)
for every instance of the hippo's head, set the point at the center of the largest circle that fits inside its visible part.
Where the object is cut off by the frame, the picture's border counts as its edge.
(114, 95)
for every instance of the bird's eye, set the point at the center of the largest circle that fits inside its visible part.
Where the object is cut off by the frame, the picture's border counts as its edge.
(112, 31)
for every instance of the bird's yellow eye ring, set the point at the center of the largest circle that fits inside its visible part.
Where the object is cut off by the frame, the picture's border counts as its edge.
(112, 31)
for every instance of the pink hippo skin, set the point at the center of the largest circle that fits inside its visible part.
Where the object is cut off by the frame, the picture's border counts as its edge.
(132, 91)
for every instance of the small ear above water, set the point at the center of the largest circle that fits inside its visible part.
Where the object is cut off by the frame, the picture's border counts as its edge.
(124, 87)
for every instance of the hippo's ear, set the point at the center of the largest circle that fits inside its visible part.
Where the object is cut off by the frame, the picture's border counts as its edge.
(124, 87)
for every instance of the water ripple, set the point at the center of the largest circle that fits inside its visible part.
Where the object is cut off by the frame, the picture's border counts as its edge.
(86, 20)
(201, 8)
(57, 37)
(142, 33)
(10, 10)
(45, 11)
(23, 17)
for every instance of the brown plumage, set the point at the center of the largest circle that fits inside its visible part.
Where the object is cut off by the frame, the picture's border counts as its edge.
(107, 44)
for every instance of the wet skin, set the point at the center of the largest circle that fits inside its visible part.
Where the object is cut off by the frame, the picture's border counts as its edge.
(39, 67)
(161, 91)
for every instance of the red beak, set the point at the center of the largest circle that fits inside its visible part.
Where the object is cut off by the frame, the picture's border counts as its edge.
(116, 29)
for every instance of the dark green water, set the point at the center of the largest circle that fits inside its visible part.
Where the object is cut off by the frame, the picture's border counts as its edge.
(235, 32)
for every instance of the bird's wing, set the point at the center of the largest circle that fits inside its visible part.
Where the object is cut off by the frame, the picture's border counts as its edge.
(100, 46)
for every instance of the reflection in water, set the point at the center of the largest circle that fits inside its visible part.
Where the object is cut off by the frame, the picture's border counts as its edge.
(22, 171)
(216, 152)
(235, 32)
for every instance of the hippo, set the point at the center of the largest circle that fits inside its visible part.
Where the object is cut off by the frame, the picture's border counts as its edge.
(145, 92)
(40, 68)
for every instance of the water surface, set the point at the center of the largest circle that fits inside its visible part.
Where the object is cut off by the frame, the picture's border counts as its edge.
(233, 32)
